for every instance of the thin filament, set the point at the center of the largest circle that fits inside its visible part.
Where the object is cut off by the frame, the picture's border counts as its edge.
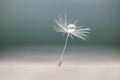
(63, 52)
(64, 47)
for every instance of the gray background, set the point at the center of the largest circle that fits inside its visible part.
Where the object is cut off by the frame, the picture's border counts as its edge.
(29, 22)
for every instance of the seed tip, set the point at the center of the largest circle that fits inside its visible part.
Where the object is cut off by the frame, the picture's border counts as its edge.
(59, 63)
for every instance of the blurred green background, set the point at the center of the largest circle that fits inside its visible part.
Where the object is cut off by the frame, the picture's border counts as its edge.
(29, 22)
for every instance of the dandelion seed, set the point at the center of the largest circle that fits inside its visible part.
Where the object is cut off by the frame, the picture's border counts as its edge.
(62, 25)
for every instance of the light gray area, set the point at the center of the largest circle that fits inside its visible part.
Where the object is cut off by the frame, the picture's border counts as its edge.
(46, 71)
(79, 63)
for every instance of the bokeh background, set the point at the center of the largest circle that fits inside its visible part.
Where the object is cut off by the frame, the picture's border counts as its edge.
(27, 37)
(29, 22)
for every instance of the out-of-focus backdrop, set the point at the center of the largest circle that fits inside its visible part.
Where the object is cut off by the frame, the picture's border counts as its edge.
(29, 22)
(30, 48)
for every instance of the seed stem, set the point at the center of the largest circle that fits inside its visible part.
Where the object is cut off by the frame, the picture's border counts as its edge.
(63, 52)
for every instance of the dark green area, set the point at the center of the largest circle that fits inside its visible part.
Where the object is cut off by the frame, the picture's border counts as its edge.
(29, 22)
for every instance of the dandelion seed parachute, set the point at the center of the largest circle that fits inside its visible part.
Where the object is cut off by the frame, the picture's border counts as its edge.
(64, 26)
